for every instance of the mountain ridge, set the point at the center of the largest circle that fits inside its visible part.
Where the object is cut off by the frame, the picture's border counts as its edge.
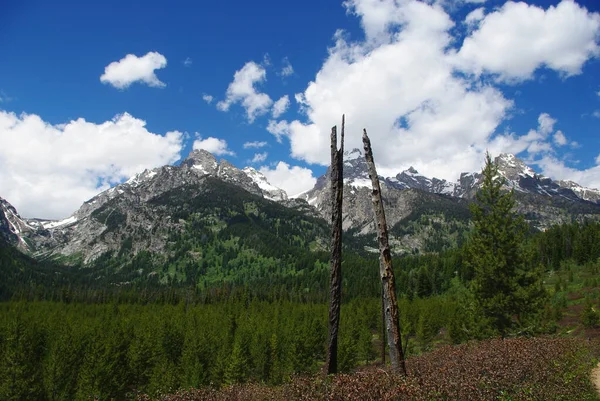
(87, 234)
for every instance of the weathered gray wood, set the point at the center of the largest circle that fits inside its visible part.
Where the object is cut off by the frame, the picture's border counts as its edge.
(335, 284)
(390, 304)
(382, 329)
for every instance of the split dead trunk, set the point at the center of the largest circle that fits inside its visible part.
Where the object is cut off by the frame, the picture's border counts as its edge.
(390, 304)
(335, 286)
(382, 328)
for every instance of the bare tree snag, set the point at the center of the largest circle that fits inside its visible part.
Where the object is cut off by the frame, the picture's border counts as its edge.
(390, 304)
(335, 283)
(382, 328)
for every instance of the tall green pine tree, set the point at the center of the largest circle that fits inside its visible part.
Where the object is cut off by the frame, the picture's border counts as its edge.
(506, 289)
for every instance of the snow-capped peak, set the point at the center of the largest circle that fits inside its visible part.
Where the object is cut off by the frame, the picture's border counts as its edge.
(512, 167)
(352, 154)
(202, 161)
(269, 191)
(145, 175)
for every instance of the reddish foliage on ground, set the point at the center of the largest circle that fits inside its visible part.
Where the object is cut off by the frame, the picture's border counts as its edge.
(512, 369)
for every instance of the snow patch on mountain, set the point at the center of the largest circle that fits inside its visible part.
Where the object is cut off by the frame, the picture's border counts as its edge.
(269, 191)
(62, 223)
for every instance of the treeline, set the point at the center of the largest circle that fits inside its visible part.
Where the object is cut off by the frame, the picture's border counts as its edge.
(579, 242)
(301, 276)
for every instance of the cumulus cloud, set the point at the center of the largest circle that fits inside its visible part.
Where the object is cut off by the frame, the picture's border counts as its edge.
(207, 98)
(560, 139)
(255, 145)
(48, 170)
(287, 68)
(403, 90)
(214, 145)
(187, 62)
(292, 179)
(242, 90)
(553, 167)
(401, 83)
(132, 68)
(281, 106)
(562, 38)
(546, 123)
(278, 128)
(536, 141)
(259, 157)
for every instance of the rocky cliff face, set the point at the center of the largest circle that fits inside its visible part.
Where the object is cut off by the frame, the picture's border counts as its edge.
(12, 226)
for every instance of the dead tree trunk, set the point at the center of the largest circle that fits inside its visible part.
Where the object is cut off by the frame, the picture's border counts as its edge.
(382, 328)
(335, 284)
(388, 282)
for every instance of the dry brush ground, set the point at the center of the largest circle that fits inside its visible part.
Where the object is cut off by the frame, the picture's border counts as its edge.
(512, 369)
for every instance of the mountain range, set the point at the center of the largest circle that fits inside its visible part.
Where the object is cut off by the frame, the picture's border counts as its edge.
(423, 213)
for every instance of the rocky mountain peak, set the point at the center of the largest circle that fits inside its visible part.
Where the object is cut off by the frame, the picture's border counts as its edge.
(201, 160)
(411, 178)
(512, 167)
(353, 154)
(269, 191)
(589, 194)
(228, 172)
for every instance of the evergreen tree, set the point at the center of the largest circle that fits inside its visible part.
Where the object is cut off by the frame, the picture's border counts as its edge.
(506, 289)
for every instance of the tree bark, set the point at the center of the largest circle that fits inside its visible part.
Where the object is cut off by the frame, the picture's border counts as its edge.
(335, 286)
(382, 328)
(390, 304)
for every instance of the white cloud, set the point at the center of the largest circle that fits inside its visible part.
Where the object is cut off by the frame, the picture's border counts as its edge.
(536, 141)
(287, 68)
(475, 16)
(255, 145)
(207, 98)
(596, 114)
(214, 145)
(259, 157)
(281, 106)
(187, 62)
(292, 179)
(560, 139)
(242, 90)
(515, 40)
(475, 1)
(266, 60)
(555, 168)
(4, 98)
(278, 128)
(546, 123)
(49, 170)
(403, 90)
(401, 83)
(131, 68)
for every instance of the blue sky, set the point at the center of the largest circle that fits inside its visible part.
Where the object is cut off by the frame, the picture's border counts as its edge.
(436, 84)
